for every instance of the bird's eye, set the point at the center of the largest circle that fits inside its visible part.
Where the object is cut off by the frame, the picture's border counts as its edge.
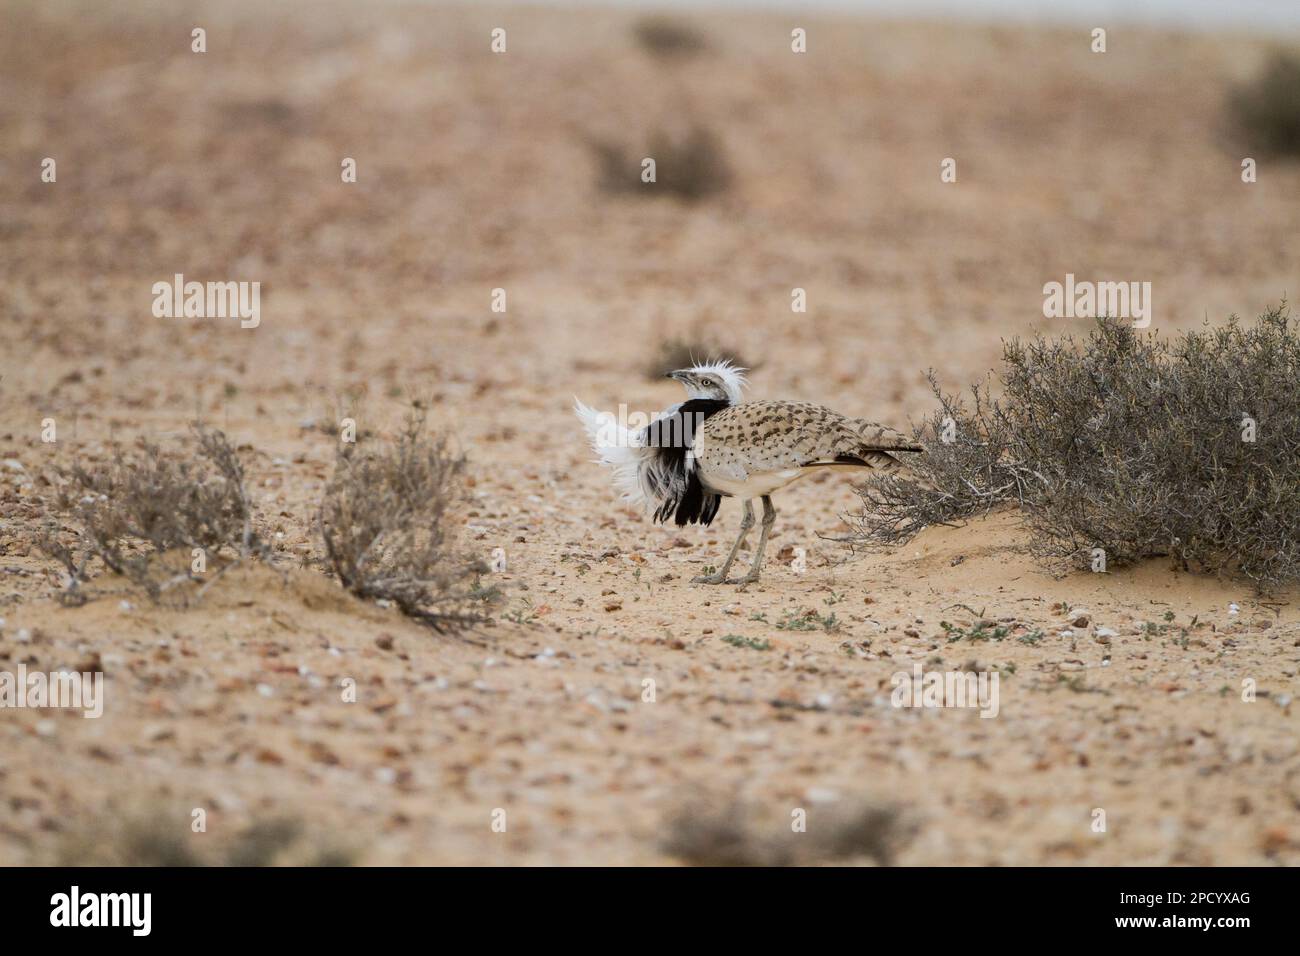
(708, 382)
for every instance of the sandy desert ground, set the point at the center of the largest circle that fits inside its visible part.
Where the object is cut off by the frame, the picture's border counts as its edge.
(475, 172)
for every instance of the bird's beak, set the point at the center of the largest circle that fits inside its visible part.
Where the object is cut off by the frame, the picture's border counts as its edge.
(677, 374)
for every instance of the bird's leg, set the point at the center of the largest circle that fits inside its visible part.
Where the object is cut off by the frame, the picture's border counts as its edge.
(769, 519)
(746, 522)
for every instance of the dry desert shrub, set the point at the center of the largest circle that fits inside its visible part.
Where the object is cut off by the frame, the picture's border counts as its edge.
(1128, 443)
(692, 166)
(1267, 110)
(712, 833)
(968, 468)
(683, 351)
(138, 507)
(667, 38)
(161, 836)
(386, 520)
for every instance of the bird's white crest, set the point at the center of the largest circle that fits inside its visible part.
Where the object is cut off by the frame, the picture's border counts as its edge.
(732, 376)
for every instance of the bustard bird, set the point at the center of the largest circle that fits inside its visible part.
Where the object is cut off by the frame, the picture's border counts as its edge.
(714, 446)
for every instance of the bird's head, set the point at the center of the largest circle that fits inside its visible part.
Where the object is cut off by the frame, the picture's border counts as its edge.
(719, 380)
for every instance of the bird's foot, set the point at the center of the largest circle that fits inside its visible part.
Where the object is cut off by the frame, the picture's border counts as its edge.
(718, 578)
(747, 580)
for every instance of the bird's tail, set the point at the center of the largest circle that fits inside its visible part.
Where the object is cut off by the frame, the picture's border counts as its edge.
(618, 448)
(883, 438)
(892, 451)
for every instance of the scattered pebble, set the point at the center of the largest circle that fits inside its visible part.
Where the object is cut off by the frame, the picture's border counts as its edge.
(821, 795)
